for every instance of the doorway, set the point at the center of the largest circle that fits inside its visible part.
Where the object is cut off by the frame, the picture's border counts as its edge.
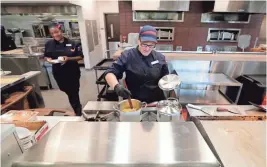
(112, 26)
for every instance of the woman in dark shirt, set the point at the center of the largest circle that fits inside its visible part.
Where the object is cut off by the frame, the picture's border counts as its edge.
(66, 72)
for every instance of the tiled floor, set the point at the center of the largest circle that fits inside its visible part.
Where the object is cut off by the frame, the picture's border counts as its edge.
(54, 98)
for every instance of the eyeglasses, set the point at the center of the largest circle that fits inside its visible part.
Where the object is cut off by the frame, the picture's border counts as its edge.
(149, 46)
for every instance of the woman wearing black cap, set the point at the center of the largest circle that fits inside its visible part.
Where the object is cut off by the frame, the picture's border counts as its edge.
(66, 71)
(143, 66)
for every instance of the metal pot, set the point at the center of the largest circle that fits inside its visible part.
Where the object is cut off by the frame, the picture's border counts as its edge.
(169, 110)
(133, 116)
(168, 84)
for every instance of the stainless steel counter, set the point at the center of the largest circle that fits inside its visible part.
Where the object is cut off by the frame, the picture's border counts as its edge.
(120, 144)
(28, 78)
(218, 79)
(20, 79)
(103, 106)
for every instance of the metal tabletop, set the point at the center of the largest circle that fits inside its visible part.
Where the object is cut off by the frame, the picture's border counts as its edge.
(104, 106)
(218, 79)
(120, 144)
(19, 79)
(201, 97)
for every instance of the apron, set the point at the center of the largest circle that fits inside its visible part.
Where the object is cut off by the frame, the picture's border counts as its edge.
(67, 75)
(147, 77)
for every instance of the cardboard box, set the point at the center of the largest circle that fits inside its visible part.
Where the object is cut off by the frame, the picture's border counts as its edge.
(38, 128)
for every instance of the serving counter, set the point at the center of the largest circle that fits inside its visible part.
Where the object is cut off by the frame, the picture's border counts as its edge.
(120, 144)
(71, 141)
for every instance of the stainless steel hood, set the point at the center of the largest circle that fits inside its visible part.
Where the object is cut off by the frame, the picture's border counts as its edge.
(160, 5)
(251, 6)
(7, 9)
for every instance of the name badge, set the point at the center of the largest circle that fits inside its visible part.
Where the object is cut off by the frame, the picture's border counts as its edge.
(155, 62)
(68, 44)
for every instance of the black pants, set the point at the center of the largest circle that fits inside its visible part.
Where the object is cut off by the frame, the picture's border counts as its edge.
(70, 84)
(74, 100)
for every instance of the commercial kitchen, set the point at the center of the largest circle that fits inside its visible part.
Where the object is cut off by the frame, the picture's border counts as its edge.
(213, 113)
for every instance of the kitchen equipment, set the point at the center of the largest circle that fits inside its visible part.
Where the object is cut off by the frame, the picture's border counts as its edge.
(16, 35)
(231, 17)
(221, 109)
(203, 109)
(262, 107)
(131, 116)
(164, 144)
(9, 43)
(223, 34)
(169, 110)
(169, 82)
(226, 36)
(129, 98)
(244, 41)
(232, 36)
(253, 89)
(213, 35)
(130, 102)
(199, 48)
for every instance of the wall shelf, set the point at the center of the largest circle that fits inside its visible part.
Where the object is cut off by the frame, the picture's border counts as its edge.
(223, 35)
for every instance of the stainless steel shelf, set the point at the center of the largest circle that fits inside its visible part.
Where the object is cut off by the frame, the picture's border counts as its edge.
(210, 40)
(216, 79)
(202, 97)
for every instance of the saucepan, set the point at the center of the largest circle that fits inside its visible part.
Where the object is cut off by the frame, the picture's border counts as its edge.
(169, 110)
(127, 114)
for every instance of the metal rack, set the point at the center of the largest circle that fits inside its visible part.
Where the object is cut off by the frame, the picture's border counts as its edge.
(102, 66)
(213, 96)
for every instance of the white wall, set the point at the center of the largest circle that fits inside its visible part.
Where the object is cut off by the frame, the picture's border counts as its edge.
(88, 10)
(94, 10)
(105, 7)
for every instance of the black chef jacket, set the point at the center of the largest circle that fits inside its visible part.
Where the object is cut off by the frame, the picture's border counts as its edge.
(142, 73)
(67, 75)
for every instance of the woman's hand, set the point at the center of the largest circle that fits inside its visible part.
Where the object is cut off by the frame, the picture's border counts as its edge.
(49, 60)
(66, 58)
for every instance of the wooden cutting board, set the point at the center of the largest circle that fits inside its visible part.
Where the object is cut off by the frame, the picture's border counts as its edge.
(238, 143)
